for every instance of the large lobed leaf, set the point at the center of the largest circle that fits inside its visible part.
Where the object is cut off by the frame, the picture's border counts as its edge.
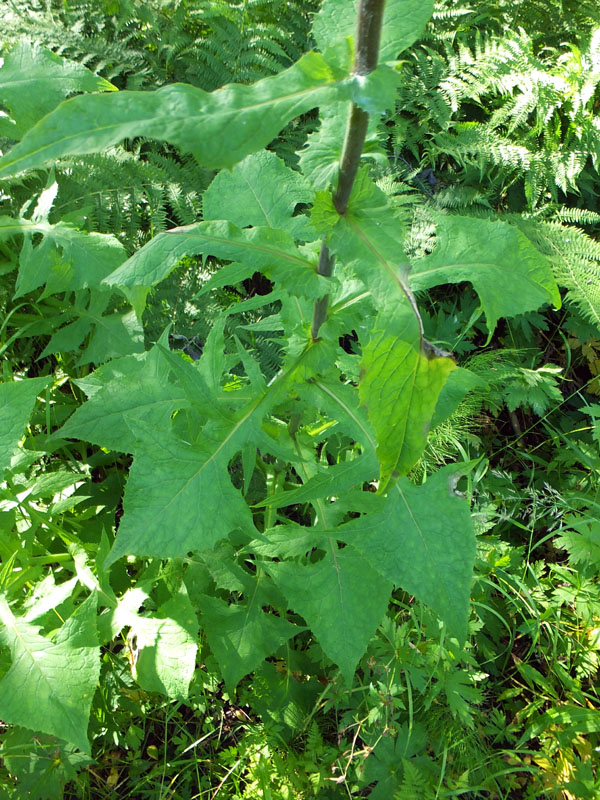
(420, 538)
(166, 647)
(508, 273)
(242, 635)
(423, 542)
(401, 374)
(34, 80)
(345, 603)
(50, 684)
(179, 495)
(259, 191)
(218, 128)
(120, 392)
(65, 260)
(263, 249)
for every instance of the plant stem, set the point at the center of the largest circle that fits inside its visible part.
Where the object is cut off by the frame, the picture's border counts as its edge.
(368, 35)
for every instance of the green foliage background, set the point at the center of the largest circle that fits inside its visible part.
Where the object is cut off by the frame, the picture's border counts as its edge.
(187, 474)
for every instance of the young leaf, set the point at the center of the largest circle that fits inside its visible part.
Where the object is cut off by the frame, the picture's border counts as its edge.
(219, 128)
(34, 80)
(509, 260)
(51, 683)
(17, 399)
(368, 240)
(259, 191)
(346, 602)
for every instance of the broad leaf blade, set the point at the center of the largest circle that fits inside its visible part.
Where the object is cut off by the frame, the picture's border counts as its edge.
(179, 496)
(345, 602)
(422, 537)
(402, 379)
(34, 80)
(219, 128)
(132, 388)
(242, 636)
(423, 541)
(166, 648)
(270, 251)
(401, 374)
(509, 261)
(113, 336)
(259, 191)
(17, 400)
(50, 685)
(66, 260)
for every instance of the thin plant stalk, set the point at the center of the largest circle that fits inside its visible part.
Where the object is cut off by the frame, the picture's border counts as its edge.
(368, 36)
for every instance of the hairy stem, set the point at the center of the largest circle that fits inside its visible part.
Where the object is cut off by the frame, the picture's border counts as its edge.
(368, 35)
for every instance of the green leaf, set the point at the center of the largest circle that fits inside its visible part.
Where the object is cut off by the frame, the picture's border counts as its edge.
(242, 636)
(330, 480)
(368, 240)
(401, 381)
(113, 336)
(419, 537)
(65, 260)
(132, 387)
(46, 596)
(17, 400)
(581, 539)
(422, 541)
(270, 251)
(259, 191)
(575, 719)
(166, 648)
(461, 695)
(508, 260)
(535, 388)
(346, 602)
(123, 614)
(219, 128)
(34, 80)
(41, 764)
(401, 374)
(51, 683)
(184, 489)
(403, 23)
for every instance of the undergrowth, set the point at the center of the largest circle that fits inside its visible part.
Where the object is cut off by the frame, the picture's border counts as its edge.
(493, 122)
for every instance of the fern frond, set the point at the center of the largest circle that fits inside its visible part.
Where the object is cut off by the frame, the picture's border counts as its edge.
(575, 257)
